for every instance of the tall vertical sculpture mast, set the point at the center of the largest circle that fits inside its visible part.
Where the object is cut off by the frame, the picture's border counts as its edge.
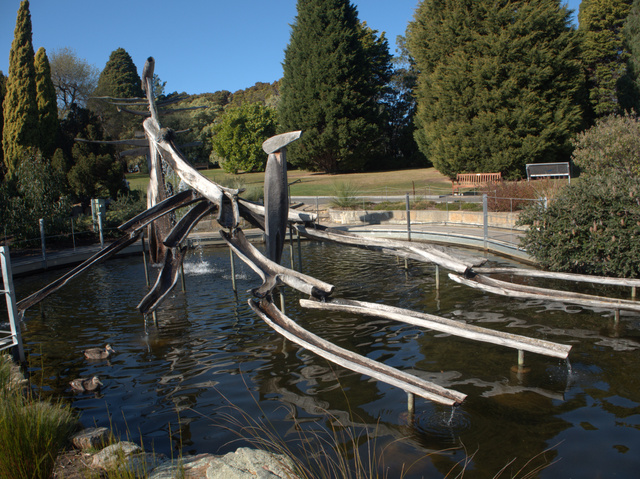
(276, 195)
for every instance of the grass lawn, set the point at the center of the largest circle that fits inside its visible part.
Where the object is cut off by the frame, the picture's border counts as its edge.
(423, 180)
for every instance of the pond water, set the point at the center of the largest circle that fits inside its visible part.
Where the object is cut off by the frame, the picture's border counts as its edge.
(176, 384)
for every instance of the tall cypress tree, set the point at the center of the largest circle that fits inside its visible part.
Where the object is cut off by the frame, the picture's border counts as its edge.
(629, 95)
(604, 53)
(19, 107)
(499, 84)
(49, 124)
(331, 87)
(119, 79)
(3, 90)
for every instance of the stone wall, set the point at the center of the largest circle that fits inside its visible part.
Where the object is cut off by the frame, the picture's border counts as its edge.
(350, 217)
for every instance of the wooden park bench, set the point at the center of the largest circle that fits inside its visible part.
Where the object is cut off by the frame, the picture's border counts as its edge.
(474, 180)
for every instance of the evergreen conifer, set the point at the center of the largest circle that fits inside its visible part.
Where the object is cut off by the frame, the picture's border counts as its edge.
(20, 108)
(49, 124)
(332, 86)
(118, 79)
(604, 52)
(499, 84)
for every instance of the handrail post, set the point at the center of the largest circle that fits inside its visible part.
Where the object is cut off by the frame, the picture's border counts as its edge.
(42, 244)
(10, 297)
(485, 213)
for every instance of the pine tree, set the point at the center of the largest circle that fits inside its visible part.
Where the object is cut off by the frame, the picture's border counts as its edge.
(499, 84)
(332, 86)
(119, 79)
(47, 105)
(20, 109)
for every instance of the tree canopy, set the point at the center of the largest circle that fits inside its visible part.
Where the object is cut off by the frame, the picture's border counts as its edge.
(48, 124)
(335, 70)
(499, 84)
(20, 108)
(73, 78)
(240, 134)
(118, 79)
(604, 52)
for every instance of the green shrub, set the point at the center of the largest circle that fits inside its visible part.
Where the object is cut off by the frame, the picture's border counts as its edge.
(125, 207)
(612, 144)
(592, 227)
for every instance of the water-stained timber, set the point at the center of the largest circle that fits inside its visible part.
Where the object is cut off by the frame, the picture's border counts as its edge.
(272, 273)
(505, 288)
(179, 200)
(163, 140)
(350, 360)
(99, 257)
(182, 229)
(165, 282)
(441, 324)
(580, 278)
(421, 251)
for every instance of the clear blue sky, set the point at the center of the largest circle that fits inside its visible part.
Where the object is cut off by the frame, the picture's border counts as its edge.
(199, 45)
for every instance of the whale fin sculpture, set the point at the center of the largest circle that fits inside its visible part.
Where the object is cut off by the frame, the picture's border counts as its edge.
(276, 194)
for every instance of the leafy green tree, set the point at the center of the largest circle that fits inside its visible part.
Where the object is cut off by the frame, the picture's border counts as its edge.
(604, 52)
(35, 191)
(73, 78)
(399, 110)
(119, 79)
(499, 84)
(334, 74)
(20, 108)
(612, 144)
(240, 134)
(48, 124)
(93, 169)
(201, 124)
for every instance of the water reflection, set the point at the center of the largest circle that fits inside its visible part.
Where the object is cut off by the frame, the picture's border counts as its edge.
(173, 379)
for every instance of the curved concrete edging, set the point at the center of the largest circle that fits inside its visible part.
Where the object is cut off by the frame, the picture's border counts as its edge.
(452, 239)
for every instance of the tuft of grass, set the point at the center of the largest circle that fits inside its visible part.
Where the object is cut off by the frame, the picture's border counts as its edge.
(345, 195)
(32, 431)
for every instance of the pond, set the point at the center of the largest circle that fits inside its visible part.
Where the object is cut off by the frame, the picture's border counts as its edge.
(184, 384)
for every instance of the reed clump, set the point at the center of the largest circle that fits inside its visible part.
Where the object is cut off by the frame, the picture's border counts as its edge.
(33, 432)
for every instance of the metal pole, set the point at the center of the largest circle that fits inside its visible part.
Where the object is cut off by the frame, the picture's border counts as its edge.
(100, 229)
(144, 260)
(520, 359)
(437, 277)
(317, 211)
(233, 271)
(73, 234)
(411, 407)
(633, 292)
(182, 280)
(282, 301)
(42, 243)
(10, 297)
(291, 247)
(299, 251)
(408, 218)
(485, 213)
